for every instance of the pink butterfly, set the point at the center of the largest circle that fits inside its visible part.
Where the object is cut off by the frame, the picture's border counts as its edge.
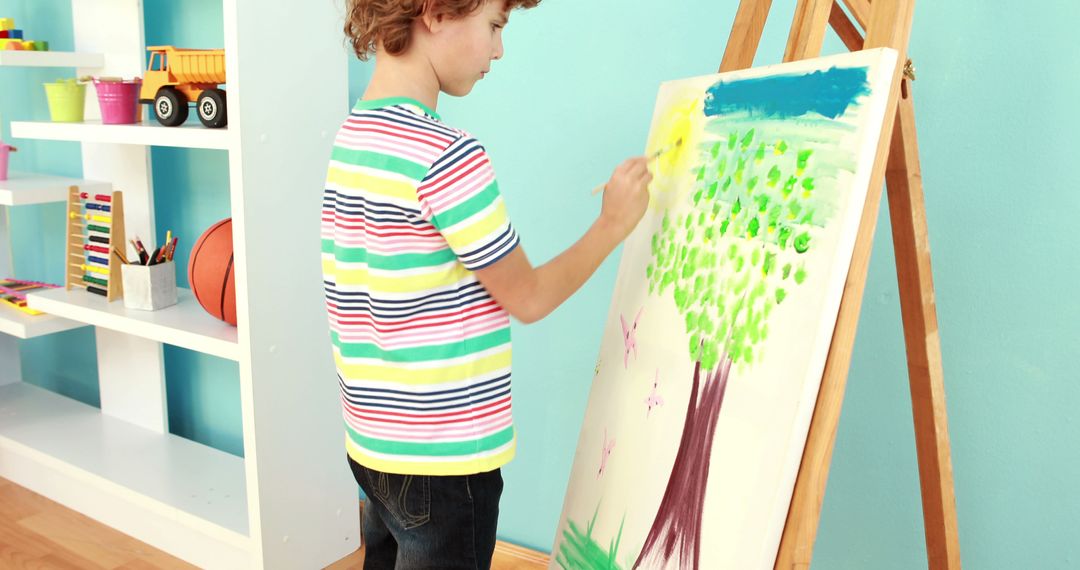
(605, 453)
(629, 334)
(654, 400)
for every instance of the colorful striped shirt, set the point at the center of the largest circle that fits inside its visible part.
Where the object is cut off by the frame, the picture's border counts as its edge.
(410, 210)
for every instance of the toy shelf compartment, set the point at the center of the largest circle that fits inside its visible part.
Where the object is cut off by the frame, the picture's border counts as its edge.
(128, 477)
(184, 324)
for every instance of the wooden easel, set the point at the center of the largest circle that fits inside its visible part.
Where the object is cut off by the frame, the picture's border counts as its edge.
(887, 23)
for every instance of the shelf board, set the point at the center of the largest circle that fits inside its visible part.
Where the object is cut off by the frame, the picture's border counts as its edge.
(184, 324)
(21, 188)
(119, 472)
(19, 324)
(50, 59)
(188, 135)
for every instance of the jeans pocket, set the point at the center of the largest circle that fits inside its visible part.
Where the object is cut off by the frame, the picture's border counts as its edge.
(406, 497)
(382, 485)
(415, 501)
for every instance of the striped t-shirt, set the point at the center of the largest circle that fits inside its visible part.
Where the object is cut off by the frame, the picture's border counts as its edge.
(411, 208)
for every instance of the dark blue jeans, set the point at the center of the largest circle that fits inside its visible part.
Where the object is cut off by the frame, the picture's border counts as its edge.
(419, 521)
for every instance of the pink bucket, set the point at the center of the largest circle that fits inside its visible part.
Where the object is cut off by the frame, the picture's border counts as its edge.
(5, 151)
(118, 101)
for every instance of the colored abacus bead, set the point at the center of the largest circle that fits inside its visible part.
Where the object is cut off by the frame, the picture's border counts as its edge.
(98, 197)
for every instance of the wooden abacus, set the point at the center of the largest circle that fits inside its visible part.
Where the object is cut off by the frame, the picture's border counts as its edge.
(95, 227)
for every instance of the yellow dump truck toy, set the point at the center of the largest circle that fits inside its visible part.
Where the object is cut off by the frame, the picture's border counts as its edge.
(177, 77)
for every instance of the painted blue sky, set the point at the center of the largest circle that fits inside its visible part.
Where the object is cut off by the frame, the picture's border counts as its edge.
(828, 93)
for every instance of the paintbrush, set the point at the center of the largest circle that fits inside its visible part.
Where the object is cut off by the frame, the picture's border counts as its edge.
(651, 158)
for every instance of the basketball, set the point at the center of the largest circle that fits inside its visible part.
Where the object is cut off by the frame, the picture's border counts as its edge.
(210, 272)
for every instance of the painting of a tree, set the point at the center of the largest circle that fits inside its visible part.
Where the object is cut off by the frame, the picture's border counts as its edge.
(760, 184)
(730, 258)
(728, 262)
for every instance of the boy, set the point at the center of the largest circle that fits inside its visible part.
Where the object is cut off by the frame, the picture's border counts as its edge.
(422, 271)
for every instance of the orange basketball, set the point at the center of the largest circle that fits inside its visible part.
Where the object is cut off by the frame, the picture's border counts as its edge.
(210, 272)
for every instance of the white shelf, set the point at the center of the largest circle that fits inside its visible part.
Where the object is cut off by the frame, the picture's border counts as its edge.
(184, 324)
(50, 59)
(188, 135)
(19, 324)
(181, 497)
(154, 486)
(21, 189)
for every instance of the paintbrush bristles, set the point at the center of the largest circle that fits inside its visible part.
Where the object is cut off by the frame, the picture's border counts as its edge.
(650, 158)
(665, 150)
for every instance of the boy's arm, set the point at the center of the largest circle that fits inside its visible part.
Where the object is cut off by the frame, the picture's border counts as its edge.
(529, 294)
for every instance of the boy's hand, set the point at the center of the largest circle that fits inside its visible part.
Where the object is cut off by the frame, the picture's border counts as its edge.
(529, 293)
(626, 196)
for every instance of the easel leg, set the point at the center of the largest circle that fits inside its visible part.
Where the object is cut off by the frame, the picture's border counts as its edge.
(808, 29)
(745, 35)
(893, 22)
(910, 241)
(797, 543)
(888, 24)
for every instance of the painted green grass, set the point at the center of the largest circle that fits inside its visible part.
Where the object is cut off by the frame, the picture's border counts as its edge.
(580, 551)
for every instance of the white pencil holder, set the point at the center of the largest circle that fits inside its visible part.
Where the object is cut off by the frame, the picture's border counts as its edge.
(149, 287)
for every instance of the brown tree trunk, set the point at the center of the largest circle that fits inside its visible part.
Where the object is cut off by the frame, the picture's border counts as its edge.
(676, 531)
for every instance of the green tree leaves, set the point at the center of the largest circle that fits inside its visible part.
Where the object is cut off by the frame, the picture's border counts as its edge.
(733, 254)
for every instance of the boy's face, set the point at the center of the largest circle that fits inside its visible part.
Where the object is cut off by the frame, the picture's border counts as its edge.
(462, 49)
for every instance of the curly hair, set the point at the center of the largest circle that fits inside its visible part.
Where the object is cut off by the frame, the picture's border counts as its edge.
(370, 23)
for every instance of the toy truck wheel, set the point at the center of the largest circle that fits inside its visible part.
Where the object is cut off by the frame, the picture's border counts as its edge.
(211, 107)
(170, 107)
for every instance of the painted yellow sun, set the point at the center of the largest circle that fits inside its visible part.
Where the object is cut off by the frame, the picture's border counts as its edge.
(682, 119)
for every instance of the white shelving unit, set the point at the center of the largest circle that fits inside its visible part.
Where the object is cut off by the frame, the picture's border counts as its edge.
(97, 464)
(21, 325)
(50, 59)
(184, 324)
(15, 324)
(22, 189)
(190, 135)
(290, 502)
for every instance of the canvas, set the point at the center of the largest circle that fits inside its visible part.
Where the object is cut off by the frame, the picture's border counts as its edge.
(722, 315)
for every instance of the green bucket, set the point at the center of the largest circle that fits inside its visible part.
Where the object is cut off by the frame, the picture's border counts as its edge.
(67, 99)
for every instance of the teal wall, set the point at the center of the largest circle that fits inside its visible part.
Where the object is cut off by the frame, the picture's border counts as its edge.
(574, 95)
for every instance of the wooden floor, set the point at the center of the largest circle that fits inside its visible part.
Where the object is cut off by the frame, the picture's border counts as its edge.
(41, 534)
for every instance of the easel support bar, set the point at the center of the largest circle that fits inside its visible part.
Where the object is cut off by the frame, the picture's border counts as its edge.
(907, 212)
(845, 30)
(860, 10)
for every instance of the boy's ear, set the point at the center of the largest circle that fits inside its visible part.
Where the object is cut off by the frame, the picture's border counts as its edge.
(429, 19)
